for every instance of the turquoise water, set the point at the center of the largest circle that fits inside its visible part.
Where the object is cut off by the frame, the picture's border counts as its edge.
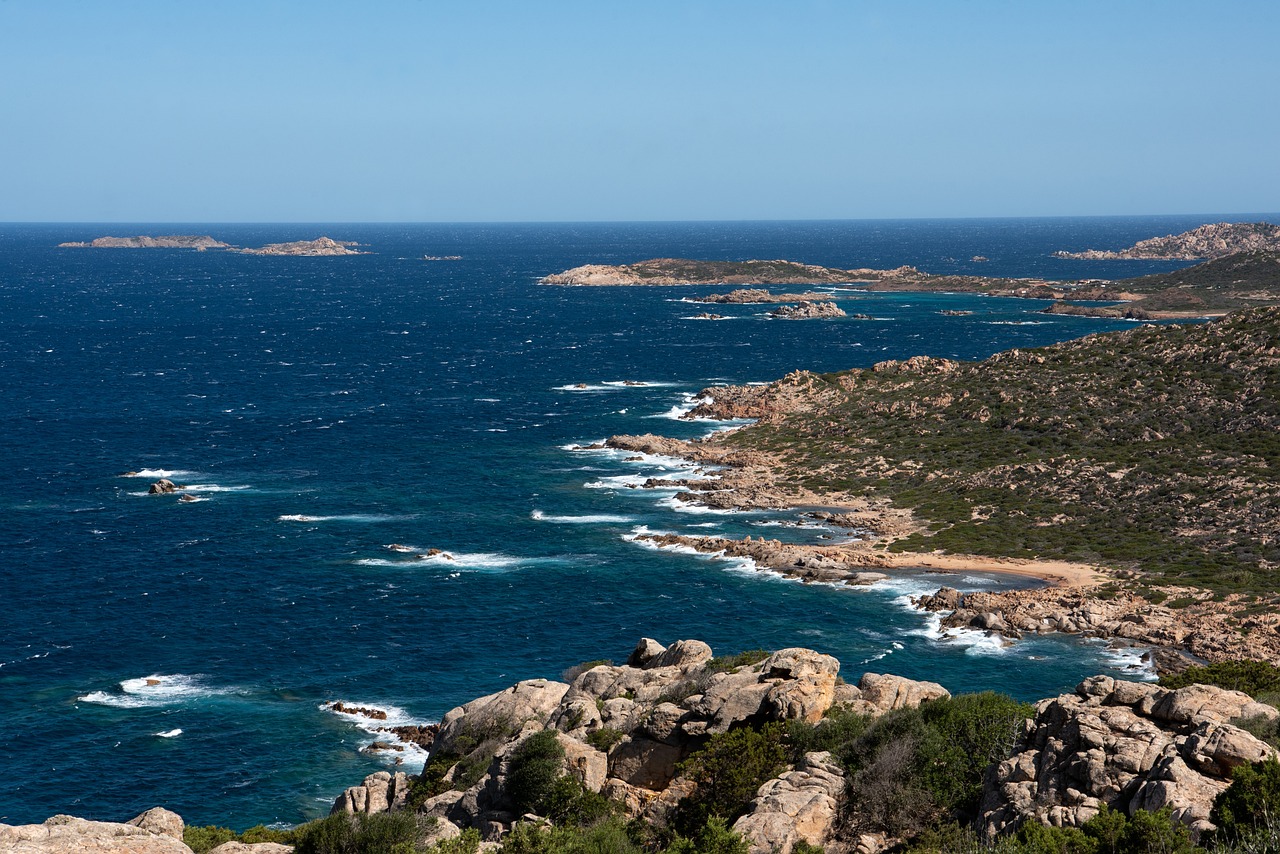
(323, 409)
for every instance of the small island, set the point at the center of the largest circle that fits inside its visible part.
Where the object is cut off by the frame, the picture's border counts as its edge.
(321, 246)
(806, 310)
(171, 241)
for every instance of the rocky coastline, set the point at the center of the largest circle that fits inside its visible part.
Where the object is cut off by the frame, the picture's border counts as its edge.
(1215, 240)
(321, 246)
(633, 737)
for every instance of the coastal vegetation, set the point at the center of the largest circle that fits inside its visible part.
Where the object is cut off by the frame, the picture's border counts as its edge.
(1150, 450)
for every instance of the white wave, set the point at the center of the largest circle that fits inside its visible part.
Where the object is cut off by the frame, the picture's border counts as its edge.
(459, 560)
(636, 384)
(588, 519)
(159, 473)
(173, 733)
(680, 410)
(154, 690)
(1015, 322)
(1129, 660)
(689, 507)
(348, 517)
(695, 317)
(635, 481)
(213, 487)
(410, 756)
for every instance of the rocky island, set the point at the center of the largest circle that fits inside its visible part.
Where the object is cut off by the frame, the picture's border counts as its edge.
(1216, 240)
(682, 271)
(321, 246)
(171, 241)
(806, 310)
(757, 296)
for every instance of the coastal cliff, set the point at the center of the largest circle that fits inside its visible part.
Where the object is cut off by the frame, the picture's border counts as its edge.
(1216, 240)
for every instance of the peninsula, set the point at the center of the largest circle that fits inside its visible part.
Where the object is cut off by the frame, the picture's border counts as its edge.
(1216, 240)
(1139, 463)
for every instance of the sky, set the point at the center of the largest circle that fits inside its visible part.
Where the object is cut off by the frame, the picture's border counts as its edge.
(552, 110)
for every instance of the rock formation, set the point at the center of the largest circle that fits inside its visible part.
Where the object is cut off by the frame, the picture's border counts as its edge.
(753, 296)
(1130, 745)
(682, 271)
(1215, 240)
(625, 728)
(156, 831)
(163, 486)
(806, 310)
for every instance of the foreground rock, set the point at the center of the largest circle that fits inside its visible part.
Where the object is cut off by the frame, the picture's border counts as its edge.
(1128, 745)
(321, 246)
(170, 241)
(1215, 240)
(624, 728)
(157, 831)
(806, 310)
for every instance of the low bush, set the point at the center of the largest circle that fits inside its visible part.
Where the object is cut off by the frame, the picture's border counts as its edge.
(746, 658)
(203, 839)
(1251, 802)
(728, 771)
(605, 738)
(532, 771)
(1251, 677)
(377, 833)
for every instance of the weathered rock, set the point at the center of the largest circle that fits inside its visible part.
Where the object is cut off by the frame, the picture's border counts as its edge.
(646, 651)
(884, 693)
(252, 848)
(1123, 743)
(800, 805)
(163, 486)
(64, 834)
(806, 310)
(380, 792)
(160, 820)
(683, 654)
(500, 714)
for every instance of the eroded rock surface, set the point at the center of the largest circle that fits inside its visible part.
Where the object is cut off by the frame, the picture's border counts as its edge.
(1127, 745)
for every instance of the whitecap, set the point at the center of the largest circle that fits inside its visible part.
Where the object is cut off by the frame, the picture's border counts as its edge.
(349, 517)
(690, 507)
(587, 519)
(154, 690)
(212, 487)
(459, 560)
(410, 756)
(159, 473)
(173, 733)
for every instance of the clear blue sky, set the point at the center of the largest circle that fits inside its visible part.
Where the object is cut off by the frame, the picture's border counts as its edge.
(421, 110)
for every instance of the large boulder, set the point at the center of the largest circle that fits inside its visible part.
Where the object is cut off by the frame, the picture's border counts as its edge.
(878, 693)
(381, 791)
(801, 805)
(499, 715)
(1126, 745)
(64, 834)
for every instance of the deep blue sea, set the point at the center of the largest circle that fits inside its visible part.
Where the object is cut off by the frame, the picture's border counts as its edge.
(322, 409)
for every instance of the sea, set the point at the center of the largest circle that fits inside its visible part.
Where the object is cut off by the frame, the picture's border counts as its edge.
(323, 410)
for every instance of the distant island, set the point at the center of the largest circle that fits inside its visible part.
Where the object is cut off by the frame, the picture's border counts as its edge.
(1216, 240)
(317, 247)
(321, 246)
(170, 241)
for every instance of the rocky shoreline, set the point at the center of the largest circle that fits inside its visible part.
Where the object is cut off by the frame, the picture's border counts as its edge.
(624, 734)
(1215, 240)
(321, 246)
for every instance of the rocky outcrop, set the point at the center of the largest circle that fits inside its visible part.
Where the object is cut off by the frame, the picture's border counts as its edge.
(252, 848)
(157, 831)
(625, 728)
(163, 486)
(321, 246)
(1205, 625)
(380, 792)
(170, 241)
(801, 805)
(754, 296)
(806, 310)
(1215, 240)
(1129, 745)
(828, 565)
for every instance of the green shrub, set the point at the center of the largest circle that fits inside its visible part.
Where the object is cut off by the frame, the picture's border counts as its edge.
(733, 662)
(605, 837)
(376, 833)
(605, 738)
(203, 839)
(1251, 677)
(569, 803)
(1252, 800)
(840, 726)
(532, 771)
(728, 771)
(206, 838)
(467, 842)
(713, 837)
(431, 781)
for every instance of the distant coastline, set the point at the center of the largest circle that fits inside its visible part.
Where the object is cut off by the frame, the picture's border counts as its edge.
(320, 247)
